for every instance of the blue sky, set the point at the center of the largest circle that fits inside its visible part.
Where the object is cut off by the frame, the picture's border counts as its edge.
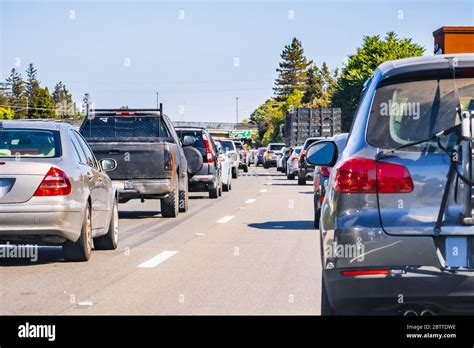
(199, 55)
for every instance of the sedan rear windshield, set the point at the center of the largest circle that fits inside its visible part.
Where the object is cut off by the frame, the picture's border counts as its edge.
(415, 109)
(228, 145)
(123, 128)
(28, 143)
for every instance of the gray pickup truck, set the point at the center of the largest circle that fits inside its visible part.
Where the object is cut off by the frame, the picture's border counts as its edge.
(151, 162)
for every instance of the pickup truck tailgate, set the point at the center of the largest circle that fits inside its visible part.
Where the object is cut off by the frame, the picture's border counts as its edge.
(141, 160)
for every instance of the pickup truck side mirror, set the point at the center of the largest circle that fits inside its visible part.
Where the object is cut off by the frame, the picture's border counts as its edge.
(188, 140)
(322, 153)
(108, 164)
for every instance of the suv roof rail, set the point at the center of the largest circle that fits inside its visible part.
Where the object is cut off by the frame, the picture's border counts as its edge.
(160, 110)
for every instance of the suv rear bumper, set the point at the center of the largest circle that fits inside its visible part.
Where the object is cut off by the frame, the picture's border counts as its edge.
(153, 188)
(418, 289)
(202, 183)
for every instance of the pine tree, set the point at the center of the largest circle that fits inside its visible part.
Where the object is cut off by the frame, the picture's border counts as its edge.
(314, 85)
(32, 84)
(292, 70)
(18, 98)
(42, 104)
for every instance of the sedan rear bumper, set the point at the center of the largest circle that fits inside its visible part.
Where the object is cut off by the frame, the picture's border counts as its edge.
(41, 227)
(418, 289)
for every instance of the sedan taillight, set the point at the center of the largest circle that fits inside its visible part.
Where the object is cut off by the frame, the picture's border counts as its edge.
(361, 175)
(55, 183)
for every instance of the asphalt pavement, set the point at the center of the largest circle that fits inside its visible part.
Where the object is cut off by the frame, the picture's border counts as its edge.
(252, 251)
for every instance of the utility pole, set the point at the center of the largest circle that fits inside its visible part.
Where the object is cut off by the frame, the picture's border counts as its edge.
(157, 100)
(236, 110)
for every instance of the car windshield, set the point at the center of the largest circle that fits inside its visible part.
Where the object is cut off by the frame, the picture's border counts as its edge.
(29, 143)
(227, 145)
(409, 111)
(124, 127)
(238, 145)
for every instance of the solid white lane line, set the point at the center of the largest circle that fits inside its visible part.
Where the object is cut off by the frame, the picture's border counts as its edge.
(155, 261)
(250, 201)
(225, 219)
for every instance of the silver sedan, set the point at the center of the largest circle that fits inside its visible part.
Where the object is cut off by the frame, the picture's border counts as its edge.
(53, 191)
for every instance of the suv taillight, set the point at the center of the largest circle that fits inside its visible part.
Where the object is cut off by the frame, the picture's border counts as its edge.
(361, 175)
(209, 152)
(55, 183)
(168, 159)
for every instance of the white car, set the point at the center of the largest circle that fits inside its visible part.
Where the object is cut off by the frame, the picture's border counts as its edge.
(231, 150)
(226, 167)
(279, 161)
(292, 163)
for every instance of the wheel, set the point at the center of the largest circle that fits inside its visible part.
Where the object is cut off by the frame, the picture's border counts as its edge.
(235, 173)
(170, 204)
(230, 186)
(326, 308)
(291, 176)
(265, 165)
(184, 199)
(81, 249)
(214, 192)
(301, 180)
(317, 217)
(109, 241)
(246, 169)
(226, 187)
(220, 188)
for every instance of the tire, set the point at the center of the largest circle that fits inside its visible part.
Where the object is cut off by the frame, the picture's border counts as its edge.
(170, 204)
(81, 249)
(110, 240)
(326, 308)
(317, 217)
(291, 176)
(214, 192)
(235, 173)
(184, 199)
(265, 166)
(301, 181)
(246, 169)
(225, 187)
(220, 189)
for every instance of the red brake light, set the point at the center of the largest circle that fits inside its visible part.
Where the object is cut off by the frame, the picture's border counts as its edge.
(209, 152)
(366, 272)
(55, 183)
(126, 113)
(361, 175)
(270, 151)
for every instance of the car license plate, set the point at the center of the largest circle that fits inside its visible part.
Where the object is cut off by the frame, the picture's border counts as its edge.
(456, 252)
(128, 184)
(119, 185)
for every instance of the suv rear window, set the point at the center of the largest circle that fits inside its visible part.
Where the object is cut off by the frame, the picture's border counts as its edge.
(275, 147)
(122, 128)
(412, 110)
(198, 139)
(29, 143)
(228, 145)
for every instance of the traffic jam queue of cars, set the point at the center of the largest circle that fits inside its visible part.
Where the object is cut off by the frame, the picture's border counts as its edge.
(61, 187)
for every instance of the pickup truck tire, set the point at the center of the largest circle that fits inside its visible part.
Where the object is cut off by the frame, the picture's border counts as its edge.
(235, 173)
(109, 241)
(184, 199)
(170, 204)
(81, 249)
(326, 308)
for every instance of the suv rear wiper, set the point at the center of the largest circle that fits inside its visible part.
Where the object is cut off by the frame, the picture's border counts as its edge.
(385, 153)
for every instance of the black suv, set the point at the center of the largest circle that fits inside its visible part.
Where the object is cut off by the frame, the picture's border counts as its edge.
(208, 178)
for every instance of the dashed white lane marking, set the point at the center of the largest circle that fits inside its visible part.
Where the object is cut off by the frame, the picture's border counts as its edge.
(263, 190)
(199, 234)
(225, 219)
(155, 261)
(85, 304)
(250, 201)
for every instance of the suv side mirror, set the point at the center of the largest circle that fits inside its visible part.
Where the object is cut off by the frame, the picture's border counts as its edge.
(322, 153)
(188, 140)
(108, 164)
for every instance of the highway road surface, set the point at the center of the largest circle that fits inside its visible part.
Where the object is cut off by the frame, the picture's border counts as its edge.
(252, 251)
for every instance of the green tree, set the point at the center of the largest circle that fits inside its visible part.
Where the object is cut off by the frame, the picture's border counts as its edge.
(314, 85)
(32, 86)
(17, 96)
(42, 104)
(292, 70)
(6, 113)
(65, 106)
(361, 65)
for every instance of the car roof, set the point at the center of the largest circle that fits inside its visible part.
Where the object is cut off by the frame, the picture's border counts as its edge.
(190, 128)
(433, 62)
(37, 124)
